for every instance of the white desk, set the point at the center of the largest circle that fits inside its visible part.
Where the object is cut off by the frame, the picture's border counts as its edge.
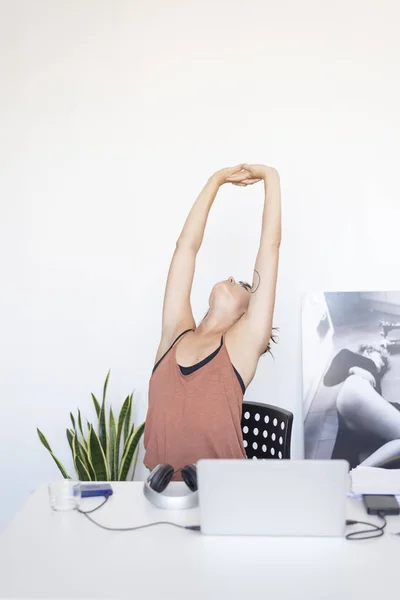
(44, 554)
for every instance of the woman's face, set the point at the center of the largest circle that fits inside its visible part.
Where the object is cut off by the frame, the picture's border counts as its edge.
(377, 358)
(377, 355)
(230, 297)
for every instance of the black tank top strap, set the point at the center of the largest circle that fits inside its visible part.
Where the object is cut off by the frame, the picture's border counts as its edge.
(170, 348)
(193, 368)
(178, 338)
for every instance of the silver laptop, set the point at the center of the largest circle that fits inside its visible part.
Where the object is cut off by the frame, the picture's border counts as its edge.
(273, 497)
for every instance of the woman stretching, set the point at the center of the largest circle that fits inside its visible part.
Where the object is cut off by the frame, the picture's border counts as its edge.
(197, 385)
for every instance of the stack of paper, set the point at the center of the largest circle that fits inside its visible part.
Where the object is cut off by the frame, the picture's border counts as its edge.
(373, 480)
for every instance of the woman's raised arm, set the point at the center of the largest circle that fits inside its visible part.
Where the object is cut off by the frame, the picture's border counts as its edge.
(177, 312)
(252, 333)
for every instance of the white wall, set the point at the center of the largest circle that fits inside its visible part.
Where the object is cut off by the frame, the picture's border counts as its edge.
(113, 114)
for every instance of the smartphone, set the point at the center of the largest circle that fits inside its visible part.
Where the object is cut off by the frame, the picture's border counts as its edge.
(384, 504)
(95, 489)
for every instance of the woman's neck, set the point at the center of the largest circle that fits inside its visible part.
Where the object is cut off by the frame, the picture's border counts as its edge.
(214, 325)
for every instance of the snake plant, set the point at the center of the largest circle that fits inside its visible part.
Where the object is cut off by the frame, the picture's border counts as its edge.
(105, 452)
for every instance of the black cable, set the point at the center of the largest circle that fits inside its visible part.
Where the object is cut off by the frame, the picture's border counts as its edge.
(191, 527)
(87, 512)
(376, 530)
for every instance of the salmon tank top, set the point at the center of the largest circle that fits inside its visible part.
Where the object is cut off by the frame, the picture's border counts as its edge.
(195, 415)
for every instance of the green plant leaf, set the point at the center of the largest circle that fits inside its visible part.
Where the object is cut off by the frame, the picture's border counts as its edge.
(74, 453)
(129, 451)
(97, 457)
(127, 422)
(81, 428)
(96, 405)
(121, 420)
(102, 419)
(60, 466)
(82, 471)
(105, 386)
(83, 452)
(125, 444)
(135, 459)
(43, 440)
(86, 461)
(58, 463)
(76, 446)
(70, 435)
(112, 446)
(72, 420)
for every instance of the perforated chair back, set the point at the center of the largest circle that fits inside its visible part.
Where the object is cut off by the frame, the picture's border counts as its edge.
(267, 430)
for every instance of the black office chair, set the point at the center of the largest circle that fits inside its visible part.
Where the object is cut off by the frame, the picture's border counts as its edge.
(267, 430)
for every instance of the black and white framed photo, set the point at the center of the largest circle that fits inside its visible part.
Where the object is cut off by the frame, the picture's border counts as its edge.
(351, 377)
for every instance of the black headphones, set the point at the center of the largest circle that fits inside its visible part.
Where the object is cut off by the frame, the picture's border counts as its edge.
(158, 481)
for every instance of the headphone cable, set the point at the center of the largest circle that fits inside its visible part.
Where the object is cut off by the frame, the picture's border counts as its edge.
(87, 513)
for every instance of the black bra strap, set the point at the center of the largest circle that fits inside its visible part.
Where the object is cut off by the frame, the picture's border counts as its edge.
(207, 359)
(171, 346)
